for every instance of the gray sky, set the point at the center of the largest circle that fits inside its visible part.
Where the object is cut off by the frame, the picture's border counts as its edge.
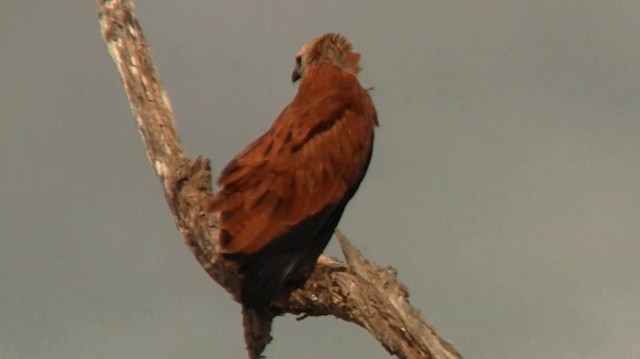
(505, 184)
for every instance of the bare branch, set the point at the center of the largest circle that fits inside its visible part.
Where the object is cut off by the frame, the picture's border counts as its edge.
(359, 292)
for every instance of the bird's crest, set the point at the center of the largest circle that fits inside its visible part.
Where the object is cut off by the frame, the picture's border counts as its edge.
(332, 48)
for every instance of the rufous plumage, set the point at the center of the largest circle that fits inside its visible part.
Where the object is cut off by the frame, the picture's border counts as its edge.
(282, 197)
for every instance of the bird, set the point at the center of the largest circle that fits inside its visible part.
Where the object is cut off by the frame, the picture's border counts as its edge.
(281, 198)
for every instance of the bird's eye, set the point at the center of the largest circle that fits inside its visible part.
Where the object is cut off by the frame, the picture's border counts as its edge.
(298, 60)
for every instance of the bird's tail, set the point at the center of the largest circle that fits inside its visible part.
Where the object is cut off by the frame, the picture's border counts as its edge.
(289, 259)
(266, 277)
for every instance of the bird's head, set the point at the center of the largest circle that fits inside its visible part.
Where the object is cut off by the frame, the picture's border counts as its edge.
(329, 48)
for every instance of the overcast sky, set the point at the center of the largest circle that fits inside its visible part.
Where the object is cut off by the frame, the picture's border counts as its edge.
(505, 183)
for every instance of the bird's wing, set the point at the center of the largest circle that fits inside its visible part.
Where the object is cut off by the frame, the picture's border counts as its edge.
(308, 160)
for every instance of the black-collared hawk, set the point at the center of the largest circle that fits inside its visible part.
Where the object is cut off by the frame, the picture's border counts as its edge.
(282, 197)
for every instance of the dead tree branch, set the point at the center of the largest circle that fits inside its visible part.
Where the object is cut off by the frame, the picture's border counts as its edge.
(358, 291)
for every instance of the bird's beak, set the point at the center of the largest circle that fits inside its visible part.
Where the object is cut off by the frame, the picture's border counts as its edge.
(298, 70)
(296, 75)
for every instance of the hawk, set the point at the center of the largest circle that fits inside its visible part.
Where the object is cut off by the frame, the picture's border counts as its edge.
(281, 198)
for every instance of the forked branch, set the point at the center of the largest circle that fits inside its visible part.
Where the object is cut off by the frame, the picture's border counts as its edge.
(358, 291)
